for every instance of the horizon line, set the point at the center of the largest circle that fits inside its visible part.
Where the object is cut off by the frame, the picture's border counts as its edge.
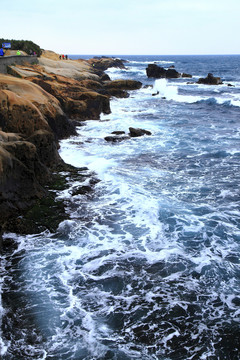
(100, 54)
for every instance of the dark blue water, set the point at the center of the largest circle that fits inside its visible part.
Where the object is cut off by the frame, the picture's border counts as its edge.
(148, 266)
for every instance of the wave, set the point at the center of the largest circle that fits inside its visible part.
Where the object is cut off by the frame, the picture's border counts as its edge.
(168, 91)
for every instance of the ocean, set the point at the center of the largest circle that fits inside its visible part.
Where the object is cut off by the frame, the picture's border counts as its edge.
(146, 266)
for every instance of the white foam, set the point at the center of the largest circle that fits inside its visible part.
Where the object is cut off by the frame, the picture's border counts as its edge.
(170, 92)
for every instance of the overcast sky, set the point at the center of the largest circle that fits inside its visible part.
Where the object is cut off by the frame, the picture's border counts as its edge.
(115, 27)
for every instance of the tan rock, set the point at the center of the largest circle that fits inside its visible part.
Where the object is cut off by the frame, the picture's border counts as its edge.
(79, 70)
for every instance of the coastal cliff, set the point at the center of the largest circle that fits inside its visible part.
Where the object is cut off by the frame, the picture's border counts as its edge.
(39, 105)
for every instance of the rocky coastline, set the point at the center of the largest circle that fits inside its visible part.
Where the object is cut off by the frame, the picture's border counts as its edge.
(40, 105)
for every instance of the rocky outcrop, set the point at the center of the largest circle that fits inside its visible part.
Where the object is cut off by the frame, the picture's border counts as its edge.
(123, 84)
(103, 63)
(118, 136)
(210, 80)
(28, 142)
(159, 72)
(21, 175)
(38, 106)
(118, 88)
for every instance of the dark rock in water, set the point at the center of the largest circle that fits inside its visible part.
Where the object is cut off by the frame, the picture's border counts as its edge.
(118, 132)
(154, 94)
(172, 74)
(230, 85)
(171, 67)
(82, 190)
(210, 80)
(116, 138)
(186, 75)
(159, 72)
(155, 71)
(135, 132)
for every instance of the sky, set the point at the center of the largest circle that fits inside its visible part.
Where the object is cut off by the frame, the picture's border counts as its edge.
(127, 27)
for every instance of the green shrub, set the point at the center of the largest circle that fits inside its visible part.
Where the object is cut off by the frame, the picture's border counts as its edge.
(24, 45)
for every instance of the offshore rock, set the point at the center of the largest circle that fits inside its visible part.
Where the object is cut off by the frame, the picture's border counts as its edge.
(116, 138)
(210, 80)
(185, 75)
(159, 72)
(135, 132)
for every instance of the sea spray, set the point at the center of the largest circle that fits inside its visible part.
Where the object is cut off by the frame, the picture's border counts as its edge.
(164, 90)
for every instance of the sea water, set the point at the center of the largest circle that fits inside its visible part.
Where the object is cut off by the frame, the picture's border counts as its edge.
(147, 266)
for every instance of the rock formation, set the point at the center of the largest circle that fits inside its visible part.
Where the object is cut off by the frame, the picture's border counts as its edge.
(38, 106)
(159, 72)
(210, 80)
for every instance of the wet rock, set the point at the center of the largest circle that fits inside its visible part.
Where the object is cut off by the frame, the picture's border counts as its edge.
(82, 190)
(135, 132)
(210, 80)
(118, 132)
(116, 138)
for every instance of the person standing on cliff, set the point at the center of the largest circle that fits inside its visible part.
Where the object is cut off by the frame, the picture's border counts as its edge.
(18, 52)
(1, 52)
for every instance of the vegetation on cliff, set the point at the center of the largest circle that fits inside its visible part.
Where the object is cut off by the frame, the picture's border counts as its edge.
(24, 45)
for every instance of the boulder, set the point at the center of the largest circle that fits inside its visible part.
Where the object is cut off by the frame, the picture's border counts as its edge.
(135, 132)
(210, 80)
